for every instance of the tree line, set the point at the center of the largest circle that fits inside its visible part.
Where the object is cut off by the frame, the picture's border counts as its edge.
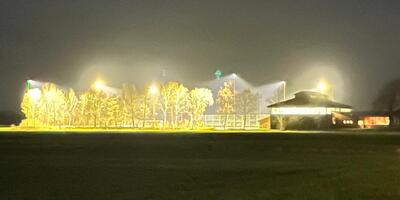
(171, 105)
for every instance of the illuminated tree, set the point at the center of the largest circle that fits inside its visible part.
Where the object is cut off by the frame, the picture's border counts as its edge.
(180, 104)
(275, 98)
(226, 100)
(27, 109)
(114, 111)
(53, 104)
(143, 109)
(246, 103)
(30, 107)
(93, 107)
(83, 110)
(71, 104)
(199, 100)
(100, 109)
(153, 97)
(173, 102)
(166, 98)
(129, 99)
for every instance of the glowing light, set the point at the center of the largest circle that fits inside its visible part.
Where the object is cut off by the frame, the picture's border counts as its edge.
(345, 110)
(284, 90)
(153, 90)
(48, 94)
(322, 86)
(307, 110)
(349, 121)
(299, 111)
(371, 121)
(35, 94)
(30, 84)
(99, 85)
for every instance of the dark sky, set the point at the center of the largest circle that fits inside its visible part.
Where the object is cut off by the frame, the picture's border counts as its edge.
(353, 44)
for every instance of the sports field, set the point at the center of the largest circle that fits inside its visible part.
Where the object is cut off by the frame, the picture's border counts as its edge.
(200, 166)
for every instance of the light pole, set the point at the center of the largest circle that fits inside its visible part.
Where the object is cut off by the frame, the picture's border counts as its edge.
(144, 110)
(284, 90)
(234, 98)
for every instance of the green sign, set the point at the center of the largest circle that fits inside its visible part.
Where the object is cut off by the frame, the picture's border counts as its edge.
(218, 74)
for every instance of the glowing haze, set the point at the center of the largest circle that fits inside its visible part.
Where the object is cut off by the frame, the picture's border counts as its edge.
(353, 45)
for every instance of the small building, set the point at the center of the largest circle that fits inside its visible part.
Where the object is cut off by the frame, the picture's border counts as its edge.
(371, 119)
(309, 110)
(265, 123)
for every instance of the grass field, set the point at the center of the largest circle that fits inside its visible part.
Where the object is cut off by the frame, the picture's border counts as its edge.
(199, 166)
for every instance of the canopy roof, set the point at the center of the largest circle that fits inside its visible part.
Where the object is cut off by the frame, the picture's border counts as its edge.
(309, 99)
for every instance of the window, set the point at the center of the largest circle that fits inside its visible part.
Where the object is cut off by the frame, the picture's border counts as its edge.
(299, 111)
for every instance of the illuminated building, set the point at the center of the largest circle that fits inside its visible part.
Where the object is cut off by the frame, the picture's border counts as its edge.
(308, 110)
(372, 119)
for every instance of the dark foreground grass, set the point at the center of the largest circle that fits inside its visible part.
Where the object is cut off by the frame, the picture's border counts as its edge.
(205, 166)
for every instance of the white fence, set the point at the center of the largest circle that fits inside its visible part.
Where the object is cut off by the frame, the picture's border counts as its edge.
(232, 121)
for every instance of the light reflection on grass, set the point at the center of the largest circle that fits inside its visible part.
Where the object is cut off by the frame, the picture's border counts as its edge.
(132, 130)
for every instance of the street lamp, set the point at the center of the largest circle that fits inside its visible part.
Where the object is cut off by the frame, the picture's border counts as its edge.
(326, 88)
(322, 86)
(35, 94)
(234, 97)
(99, 85)
(153, 90)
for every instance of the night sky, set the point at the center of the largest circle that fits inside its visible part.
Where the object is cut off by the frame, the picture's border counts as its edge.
(353, 44)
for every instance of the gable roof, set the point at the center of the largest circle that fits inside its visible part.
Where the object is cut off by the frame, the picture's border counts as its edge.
(309, 99)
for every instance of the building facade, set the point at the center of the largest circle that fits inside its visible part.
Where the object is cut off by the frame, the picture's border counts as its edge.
(308, 110)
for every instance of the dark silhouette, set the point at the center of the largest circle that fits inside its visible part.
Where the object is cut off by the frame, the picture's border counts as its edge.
(8, 118)
(389, 99)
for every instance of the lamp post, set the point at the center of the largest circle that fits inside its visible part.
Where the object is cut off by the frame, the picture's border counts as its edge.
(234, 98)
(284, 90)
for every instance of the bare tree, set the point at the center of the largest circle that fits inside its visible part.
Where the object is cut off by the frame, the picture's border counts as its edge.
(129, 98)
(199, 100)
(246, 103)
(225, 100)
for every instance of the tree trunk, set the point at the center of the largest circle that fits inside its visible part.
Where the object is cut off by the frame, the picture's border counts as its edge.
(191, 121)
(172, 120)
(164, 118)
(133, 118)
(226, 118)
(244, 121)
